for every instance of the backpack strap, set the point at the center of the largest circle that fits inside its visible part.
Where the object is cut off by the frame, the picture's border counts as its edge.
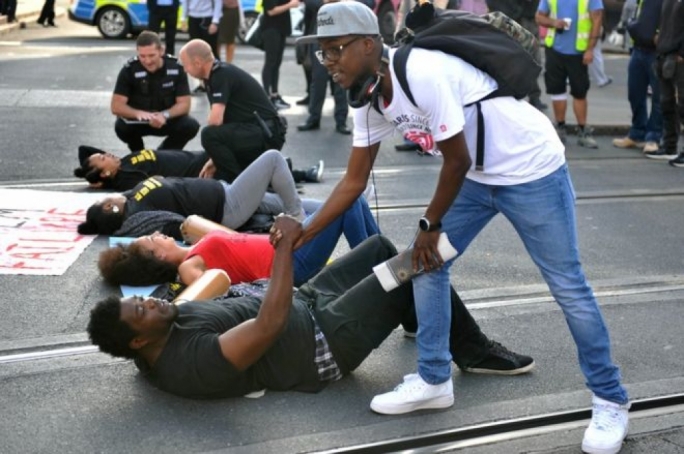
(399, 66)
(480, 145)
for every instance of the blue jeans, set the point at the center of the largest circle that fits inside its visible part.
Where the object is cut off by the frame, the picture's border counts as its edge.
(543, 214)
(357, 224)
(641, 75)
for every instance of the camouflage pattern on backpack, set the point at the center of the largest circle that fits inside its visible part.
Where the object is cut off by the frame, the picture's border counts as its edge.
(527, 40)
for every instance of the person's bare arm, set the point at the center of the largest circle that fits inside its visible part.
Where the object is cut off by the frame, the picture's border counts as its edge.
(543, 19)
(347, 190)
(596, 24)
(455, 165)
(216, 114)
(211, 284)
(191, 269)
(244, 344)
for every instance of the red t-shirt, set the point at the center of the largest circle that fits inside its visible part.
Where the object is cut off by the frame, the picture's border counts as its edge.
(245, 257)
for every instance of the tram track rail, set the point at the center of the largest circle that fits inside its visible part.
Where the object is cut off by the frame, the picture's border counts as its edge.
(508, 430)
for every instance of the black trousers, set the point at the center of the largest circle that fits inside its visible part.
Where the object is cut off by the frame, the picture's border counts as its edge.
(47, 14)
(198, 28)
(178, 131)
(234, 146)
(10, 10)
(274, 48)
(357, 315)
(169, 16)
(672, 105)
(320, 79)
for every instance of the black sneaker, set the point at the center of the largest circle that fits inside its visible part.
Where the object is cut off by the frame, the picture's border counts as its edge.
(678, 161)
(662, 154)
(501, 361)
(279, 103)
(315, 173)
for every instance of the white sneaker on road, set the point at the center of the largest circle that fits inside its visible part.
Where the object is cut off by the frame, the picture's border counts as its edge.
(607, 429)
(414, 394)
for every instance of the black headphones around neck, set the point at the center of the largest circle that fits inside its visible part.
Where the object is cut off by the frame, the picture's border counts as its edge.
(367, 91)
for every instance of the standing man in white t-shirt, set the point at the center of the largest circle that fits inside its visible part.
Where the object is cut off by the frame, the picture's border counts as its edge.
(525, 177)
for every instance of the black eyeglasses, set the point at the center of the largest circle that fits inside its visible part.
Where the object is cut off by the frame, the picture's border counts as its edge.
(334, 53)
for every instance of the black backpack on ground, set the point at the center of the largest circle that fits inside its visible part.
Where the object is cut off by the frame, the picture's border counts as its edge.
(492, 43)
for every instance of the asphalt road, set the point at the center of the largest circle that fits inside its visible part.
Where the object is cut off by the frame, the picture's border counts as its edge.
(54, 95)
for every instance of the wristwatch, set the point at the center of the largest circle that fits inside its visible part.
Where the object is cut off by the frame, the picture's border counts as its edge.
(166, 114)
(426, 226)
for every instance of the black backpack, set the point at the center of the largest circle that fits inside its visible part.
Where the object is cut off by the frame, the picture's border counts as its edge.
(492, 43)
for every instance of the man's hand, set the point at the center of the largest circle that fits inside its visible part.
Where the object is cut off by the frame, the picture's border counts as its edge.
(157, 120)
(285, 229)
(141, 115)
(213, 29)
(588, 57)
(425, 252)
(560, 24)
(209, 170)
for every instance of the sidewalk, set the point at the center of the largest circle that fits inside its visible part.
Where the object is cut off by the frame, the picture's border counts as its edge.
(27, 11)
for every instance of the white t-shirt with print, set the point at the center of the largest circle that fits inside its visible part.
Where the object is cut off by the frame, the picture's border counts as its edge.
(521, 144)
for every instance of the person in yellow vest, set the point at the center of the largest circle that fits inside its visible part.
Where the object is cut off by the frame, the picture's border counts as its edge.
(574, 29)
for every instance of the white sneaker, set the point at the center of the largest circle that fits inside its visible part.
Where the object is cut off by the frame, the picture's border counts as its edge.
(607, 429)
(414, 394)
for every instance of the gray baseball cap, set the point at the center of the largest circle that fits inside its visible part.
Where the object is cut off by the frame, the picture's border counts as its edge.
(341, 19)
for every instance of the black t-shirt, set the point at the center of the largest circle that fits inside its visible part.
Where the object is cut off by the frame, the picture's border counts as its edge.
(153, 92)
(185, 196)
(136, 167)
(192, 365)
(240, 93)
(281, 22)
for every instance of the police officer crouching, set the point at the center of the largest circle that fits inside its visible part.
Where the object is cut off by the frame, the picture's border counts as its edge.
(152, 98)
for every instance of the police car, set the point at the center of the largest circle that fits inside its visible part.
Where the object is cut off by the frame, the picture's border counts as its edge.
(116, 19)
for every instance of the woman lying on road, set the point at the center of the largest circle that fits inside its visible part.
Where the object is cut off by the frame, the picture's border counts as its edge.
(231, 205)
(104, 170)
(157, 258)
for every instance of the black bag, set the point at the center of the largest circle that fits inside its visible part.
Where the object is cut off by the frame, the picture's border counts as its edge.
(254, 36)
(492, 43)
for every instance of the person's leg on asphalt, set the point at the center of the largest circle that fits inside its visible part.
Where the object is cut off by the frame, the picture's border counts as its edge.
(637, 88)
(246, 193)
(341, 108)
(546, 224)
(543, 214)
(131, 135)
(178, 131)
(232, 147)
(432, 385)
(578, 75)
(654, 125)
(170, 29)
(317, 91)
(350, 305)
(668, 105)
(555, 78)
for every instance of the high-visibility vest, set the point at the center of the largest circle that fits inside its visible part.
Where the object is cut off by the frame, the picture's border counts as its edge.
(583, 25)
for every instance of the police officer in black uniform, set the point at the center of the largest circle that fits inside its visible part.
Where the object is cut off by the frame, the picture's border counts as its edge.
(242, 122)
(152, 98)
